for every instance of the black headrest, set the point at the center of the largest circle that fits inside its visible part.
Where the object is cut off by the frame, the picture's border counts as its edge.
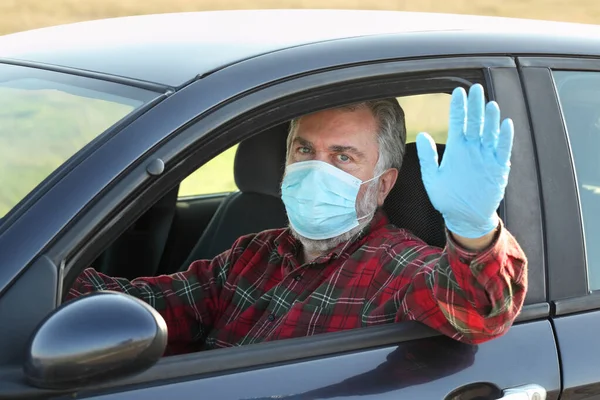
(260, 162)
(408, 205)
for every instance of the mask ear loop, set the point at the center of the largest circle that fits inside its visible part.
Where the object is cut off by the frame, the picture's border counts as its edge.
(373, 178)
(372, 212)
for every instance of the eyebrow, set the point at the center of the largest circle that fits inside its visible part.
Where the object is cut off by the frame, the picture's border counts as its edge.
(347, 149)
(303, 142)
(334, 148)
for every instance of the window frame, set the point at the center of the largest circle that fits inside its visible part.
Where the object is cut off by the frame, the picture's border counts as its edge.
(565, 239)
(185, 150)
(524, 222)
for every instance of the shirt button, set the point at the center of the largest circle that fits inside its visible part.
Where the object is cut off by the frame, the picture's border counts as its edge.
(297, 278)
(271, 317)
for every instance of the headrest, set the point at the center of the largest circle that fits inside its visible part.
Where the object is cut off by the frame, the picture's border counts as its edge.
(260, 162)
(408, 205)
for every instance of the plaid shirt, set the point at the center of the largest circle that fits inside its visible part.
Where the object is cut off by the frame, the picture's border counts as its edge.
(258, 291)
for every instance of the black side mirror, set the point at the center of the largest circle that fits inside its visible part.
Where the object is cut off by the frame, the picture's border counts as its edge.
(94, 339)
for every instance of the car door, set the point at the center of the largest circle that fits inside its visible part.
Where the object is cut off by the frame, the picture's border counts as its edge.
(564, 96)
(399, 361)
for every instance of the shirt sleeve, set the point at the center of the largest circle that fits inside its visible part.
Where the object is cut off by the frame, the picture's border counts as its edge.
(472, 297)
(188, 301)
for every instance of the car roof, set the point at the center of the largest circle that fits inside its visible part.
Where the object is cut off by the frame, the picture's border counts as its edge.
(172, 49)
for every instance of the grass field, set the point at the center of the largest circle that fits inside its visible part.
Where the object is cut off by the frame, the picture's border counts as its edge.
(22, 167)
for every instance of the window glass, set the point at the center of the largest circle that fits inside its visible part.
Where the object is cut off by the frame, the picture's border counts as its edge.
(46, 117)
(216, 176)
(579, 95)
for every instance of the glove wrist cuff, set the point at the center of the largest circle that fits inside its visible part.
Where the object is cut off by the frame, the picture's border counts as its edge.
(471, 231)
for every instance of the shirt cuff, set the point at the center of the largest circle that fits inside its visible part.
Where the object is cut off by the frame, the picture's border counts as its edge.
(483, 263)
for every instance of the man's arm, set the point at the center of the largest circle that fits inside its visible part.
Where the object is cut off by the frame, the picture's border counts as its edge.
(188, 301)
(471, 296)
(476, 288)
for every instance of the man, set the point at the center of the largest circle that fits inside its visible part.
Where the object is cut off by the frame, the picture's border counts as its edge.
(341, 265)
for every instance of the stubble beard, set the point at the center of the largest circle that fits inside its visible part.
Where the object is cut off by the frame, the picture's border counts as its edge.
(365, 207)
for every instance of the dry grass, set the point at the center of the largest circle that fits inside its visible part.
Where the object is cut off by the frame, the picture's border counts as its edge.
(18, 15)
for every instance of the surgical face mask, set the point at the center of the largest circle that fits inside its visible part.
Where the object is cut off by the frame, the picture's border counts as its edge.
(320, 199)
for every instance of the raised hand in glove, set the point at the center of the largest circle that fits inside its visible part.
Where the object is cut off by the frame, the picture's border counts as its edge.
(468, 185)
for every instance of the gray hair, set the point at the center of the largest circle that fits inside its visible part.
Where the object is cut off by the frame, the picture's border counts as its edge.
(391, 137)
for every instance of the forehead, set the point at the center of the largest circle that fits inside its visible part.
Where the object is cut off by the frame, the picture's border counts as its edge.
(347, 126)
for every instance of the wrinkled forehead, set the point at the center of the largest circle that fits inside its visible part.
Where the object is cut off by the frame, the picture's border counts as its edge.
(344, 126)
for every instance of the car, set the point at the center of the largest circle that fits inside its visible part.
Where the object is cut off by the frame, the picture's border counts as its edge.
(137, 144)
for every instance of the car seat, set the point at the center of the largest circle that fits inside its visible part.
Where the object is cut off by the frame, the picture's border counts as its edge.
(258, 169)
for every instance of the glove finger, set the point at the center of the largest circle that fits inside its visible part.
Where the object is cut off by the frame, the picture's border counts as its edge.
(505, 142)
(428, 156)
(475, 111)
(491, 126)
(458, 112)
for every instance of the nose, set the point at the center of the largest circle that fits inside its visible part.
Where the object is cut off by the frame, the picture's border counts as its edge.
(322, 156)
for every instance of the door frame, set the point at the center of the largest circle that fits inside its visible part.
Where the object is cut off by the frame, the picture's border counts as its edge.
(565, 244)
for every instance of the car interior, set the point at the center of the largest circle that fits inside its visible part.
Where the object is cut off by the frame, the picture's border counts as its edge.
(176, 231)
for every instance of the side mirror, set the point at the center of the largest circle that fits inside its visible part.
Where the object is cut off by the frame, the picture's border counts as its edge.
(94, 339)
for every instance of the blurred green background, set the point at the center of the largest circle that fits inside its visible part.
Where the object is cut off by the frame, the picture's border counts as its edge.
(40, 129)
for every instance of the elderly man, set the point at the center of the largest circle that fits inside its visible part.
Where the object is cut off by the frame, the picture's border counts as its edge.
(341, 265)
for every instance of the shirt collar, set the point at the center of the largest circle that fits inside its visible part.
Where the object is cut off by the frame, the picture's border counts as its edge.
(288, 245)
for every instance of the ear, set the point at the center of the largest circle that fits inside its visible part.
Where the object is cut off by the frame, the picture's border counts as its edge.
(386, 183)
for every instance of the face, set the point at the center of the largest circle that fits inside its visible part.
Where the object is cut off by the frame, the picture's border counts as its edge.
(348, 141)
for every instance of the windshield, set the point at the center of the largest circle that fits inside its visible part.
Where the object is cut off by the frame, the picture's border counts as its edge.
(47, 117)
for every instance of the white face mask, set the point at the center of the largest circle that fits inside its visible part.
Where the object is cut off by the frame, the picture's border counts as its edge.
(320, 199)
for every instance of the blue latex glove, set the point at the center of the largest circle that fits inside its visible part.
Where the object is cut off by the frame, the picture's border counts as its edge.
(469, 184)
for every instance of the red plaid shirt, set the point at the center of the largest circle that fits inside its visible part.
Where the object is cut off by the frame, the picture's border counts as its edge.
(258, 291)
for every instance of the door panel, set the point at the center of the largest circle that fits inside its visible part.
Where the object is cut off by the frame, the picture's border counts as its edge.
(579, 345)
(428, 368)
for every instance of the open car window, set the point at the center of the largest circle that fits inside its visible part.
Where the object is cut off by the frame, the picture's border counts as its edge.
(426, 113)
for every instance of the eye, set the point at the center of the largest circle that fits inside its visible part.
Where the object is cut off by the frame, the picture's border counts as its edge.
(343, 158)
(303, 150)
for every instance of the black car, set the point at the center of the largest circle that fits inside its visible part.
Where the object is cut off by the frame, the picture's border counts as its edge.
(137, 144)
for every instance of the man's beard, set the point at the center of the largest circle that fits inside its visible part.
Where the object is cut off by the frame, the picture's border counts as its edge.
(365, 209)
